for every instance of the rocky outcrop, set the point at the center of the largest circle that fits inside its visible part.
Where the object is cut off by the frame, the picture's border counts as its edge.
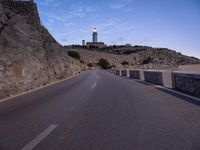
(29, 56)
(27, 9)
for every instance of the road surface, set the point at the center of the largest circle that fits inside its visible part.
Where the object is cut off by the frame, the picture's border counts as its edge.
(100, 111)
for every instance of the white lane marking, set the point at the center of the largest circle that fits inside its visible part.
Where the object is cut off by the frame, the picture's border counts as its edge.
(31, 145)
(94, 85)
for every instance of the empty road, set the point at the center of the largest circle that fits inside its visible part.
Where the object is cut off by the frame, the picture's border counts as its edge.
(100, 111)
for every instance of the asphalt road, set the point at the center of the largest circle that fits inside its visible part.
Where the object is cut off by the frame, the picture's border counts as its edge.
(100, 111)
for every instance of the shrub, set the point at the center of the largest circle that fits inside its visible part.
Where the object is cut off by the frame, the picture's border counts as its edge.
(104, 64)
(124, 63)
(90, 65)
(74, 54)
(128, 52)
(147, 60)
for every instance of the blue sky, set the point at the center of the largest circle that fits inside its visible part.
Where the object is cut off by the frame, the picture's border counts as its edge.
(173, 24)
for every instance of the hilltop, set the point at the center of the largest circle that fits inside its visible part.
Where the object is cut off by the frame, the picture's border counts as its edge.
(135, 56)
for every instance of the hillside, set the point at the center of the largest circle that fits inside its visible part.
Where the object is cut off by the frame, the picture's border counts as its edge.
(29, 56)
(136, 56)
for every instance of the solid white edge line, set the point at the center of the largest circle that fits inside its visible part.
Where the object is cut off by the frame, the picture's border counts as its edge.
(31, 145)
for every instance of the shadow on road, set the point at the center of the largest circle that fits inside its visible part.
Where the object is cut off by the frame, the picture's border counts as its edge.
(145, 83)
(190, 100)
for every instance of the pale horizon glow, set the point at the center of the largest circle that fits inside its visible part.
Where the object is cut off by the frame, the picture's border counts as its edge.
(172, 24)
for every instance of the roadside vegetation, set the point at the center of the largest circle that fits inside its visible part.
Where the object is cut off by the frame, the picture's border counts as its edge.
(74, 54)
(147, 61)
(90, 65)
(124, 63)
(104, 64)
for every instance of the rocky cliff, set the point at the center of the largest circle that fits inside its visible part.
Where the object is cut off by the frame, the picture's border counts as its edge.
(29, 56)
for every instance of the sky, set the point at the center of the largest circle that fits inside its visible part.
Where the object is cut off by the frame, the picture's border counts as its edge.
(173, 24)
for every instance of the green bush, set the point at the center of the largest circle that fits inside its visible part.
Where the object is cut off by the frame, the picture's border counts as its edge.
(124, 63)
(104, 64)
(147, 60)
(128, 52)
(74, 54)
(90, 65)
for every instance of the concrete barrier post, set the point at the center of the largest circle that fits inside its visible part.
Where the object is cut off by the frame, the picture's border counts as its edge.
(142, 74)
(167, 79)
(128, 73)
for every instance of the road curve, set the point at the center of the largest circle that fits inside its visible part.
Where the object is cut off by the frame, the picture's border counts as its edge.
(100, 111)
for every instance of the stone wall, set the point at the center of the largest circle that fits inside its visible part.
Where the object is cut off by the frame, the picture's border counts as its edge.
(118, 72)
(124, 73)
(153, 77)
(135, 74)
(26, 9)
(187, 83)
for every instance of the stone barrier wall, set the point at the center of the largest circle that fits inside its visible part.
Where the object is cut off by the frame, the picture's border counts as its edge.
(187, 83)
(118, 72)
(153, 77)
(124, 73)
(135, 74)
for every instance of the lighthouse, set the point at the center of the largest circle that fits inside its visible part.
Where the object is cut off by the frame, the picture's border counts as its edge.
(95, 36)
(95, 43)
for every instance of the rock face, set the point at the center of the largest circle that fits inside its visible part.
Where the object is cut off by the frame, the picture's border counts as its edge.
(29, 56)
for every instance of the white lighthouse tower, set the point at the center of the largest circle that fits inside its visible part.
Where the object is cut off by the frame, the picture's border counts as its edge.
(95, 36)
(95, 43)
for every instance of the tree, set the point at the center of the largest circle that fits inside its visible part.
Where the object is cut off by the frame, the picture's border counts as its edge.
(74, 54)
(90, 65)
(147, 60)
(104, 64)
(124, 63)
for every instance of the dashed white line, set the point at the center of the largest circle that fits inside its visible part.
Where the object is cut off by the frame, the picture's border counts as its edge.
(94, 85)
(31, 145)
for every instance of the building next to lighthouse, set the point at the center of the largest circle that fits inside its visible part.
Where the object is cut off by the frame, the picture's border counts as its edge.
(95, 42)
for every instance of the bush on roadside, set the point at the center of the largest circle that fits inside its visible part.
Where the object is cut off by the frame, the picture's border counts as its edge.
(147, 60)
(90, 65)
(104, 64)
(125, 63)
(74, 54)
